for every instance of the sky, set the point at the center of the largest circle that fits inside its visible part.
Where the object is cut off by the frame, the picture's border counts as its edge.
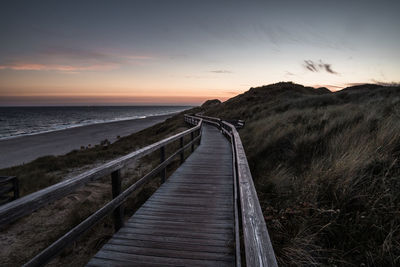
(185, 52)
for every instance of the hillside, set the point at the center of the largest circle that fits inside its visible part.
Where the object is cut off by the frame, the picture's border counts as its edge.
(327, 170)
(326, 167)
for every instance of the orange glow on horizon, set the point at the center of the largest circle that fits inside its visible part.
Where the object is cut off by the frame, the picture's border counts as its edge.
(113, 100)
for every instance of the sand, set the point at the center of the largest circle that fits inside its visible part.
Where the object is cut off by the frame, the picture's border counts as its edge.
(24, 149)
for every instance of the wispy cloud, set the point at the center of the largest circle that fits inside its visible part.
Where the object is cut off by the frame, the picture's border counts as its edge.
(73, 60)
(331, 87)
(140, 57)
(288, 73)
(232, 93)
(279, 35)
(385, 83)
(318, 66)
(56, 67)
(93, 55)
(221, 71)
(354, 84)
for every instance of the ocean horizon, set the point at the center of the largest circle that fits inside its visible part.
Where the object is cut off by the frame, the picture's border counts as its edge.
(17, 121)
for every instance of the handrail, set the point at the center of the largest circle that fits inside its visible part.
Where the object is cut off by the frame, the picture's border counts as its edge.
(47, 254)
(257, 243)
(25, 205)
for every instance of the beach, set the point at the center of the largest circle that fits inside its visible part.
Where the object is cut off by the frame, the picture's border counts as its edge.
(19, 150)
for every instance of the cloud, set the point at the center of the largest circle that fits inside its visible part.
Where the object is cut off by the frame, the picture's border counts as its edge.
(355, 84)
(140, 57)
(73, 60)
(318, 66)
(232, 93)
(56, 67)
(310, 65)
(385, 83)
(74, 53)
(82, 54)
(279, 35)
(331, 87)
(221, 71)
(288, 73)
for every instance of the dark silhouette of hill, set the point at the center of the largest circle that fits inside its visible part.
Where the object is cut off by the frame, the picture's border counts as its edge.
(327, 170)
(210, 103)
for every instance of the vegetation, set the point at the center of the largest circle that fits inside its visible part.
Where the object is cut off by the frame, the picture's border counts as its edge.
(28, 236)
(327, 170)
(326, 167)
(49, 170)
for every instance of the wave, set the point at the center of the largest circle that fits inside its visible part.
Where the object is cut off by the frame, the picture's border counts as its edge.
(32, 130)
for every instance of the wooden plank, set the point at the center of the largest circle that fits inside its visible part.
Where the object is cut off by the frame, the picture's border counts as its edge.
(177, 233)
(204, 205)
(184, 194)
(225, 217)
(197, 229)
(76, 232)
(167, 252)
(188, 216)
(171, 245)
(183, 211)
(175, 239)
(130, 258)
(150, 221)
(99, 262)
(204, 220)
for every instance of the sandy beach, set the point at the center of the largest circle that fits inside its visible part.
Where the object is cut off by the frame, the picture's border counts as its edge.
(24, 149)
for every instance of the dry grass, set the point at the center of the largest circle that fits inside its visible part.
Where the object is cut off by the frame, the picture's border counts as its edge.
(48, 170)
(26, 237)
(327, 170)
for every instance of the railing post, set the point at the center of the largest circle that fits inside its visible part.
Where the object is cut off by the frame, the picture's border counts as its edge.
(191, 138)
(162, 159)
(199, 133)
(183, 151)
(16, 188)
(116, 190)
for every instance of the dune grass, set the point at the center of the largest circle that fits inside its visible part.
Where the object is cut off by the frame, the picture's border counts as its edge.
(327, 170)
(29, 235)
(49, 170)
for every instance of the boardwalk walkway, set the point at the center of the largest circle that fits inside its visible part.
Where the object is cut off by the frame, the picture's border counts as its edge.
(188, 221)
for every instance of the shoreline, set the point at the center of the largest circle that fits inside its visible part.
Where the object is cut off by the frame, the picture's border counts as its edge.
(83, 125)
(23, 149)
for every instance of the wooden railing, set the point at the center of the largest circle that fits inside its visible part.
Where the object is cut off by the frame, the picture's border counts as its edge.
(8, 184)
(256, 241)
(26, 205)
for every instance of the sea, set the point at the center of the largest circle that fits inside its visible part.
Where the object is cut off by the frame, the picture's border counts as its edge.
(20, 121)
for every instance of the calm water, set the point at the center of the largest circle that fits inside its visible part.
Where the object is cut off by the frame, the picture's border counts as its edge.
(18, 121)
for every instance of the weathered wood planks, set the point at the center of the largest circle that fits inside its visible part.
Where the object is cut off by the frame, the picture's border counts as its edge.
(189, 220)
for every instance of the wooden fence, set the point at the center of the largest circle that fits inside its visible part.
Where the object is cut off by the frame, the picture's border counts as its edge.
(8, 185)
(26, 205)
(256, 241)
(249, 220)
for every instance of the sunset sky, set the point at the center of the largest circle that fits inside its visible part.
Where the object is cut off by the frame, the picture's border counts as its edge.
(184, 52)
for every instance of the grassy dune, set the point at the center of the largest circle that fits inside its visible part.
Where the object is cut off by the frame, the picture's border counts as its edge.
(326, 167)
(48, 170)
(327, 170)
(26, 237)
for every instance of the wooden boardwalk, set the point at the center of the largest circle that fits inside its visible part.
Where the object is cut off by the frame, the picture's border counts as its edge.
(188, 221)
